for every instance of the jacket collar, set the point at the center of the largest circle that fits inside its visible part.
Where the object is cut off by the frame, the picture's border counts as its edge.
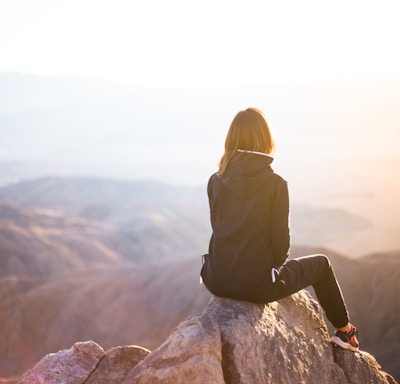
(255, 153)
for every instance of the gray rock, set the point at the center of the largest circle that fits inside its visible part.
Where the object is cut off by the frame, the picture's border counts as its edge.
(70, 366)
(116, 364)
(279, 343)
(233, 342)
(192, 354)
(361, 368)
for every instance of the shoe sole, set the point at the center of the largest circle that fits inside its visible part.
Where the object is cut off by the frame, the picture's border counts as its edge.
(340, 343)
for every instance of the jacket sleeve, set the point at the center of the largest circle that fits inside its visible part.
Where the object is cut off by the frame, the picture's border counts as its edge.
(210, 192)
(280, 233)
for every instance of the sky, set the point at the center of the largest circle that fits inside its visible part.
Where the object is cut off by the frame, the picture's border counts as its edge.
(224, 43)
(188, 45)
(207, 43)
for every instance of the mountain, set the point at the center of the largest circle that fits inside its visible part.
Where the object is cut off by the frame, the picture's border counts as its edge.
(143, 221)
(152, 214)
(114, 305)
(141, 304)
(328, 145)
(40, 243)
(118, 262)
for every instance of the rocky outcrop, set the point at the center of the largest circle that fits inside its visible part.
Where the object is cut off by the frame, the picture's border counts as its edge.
(231, 342)
(85, 362)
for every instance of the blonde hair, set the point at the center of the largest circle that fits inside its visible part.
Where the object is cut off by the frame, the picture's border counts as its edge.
(249, 131)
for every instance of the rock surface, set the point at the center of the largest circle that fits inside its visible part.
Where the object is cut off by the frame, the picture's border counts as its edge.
(70, 366)
(231, 342)
(85, 362)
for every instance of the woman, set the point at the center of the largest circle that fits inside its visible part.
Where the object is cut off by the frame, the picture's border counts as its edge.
(249, 246)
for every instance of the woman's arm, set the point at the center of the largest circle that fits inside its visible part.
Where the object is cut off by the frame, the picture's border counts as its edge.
(280, 234)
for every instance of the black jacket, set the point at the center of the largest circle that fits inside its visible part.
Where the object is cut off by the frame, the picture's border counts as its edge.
(249, 210)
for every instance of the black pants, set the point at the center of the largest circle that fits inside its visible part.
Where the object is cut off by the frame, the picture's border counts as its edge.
(315, 270)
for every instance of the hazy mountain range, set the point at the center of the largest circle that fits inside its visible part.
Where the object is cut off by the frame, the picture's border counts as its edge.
(135, 207)
(337, 142)
(118, 262)
(104, 216)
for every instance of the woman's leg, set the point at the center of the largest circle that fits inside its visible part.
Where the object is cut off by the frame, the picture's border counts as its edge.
(316, 270)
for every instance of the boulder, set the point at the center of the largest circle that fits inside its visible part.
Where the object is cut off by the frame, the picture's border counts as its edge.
(71, 366)
(116, 363)
(230, 342)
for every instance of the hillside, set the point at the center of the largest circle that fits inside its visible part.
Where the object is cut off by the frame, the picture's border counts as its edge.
(146, 213)
(118, 262)
(114, 306)
(142, 221)
(39, 243)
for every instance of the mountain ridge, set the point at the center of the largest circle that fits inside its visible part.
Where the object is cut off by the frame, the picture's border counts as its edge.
(154, 276)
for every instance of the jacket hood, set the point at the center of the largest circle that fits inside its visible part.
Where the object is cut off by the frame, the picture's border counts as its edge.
(247, 172)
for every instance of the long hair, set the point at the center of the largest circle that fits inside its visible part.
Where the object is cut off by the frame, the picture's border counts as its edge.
(249, 131)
